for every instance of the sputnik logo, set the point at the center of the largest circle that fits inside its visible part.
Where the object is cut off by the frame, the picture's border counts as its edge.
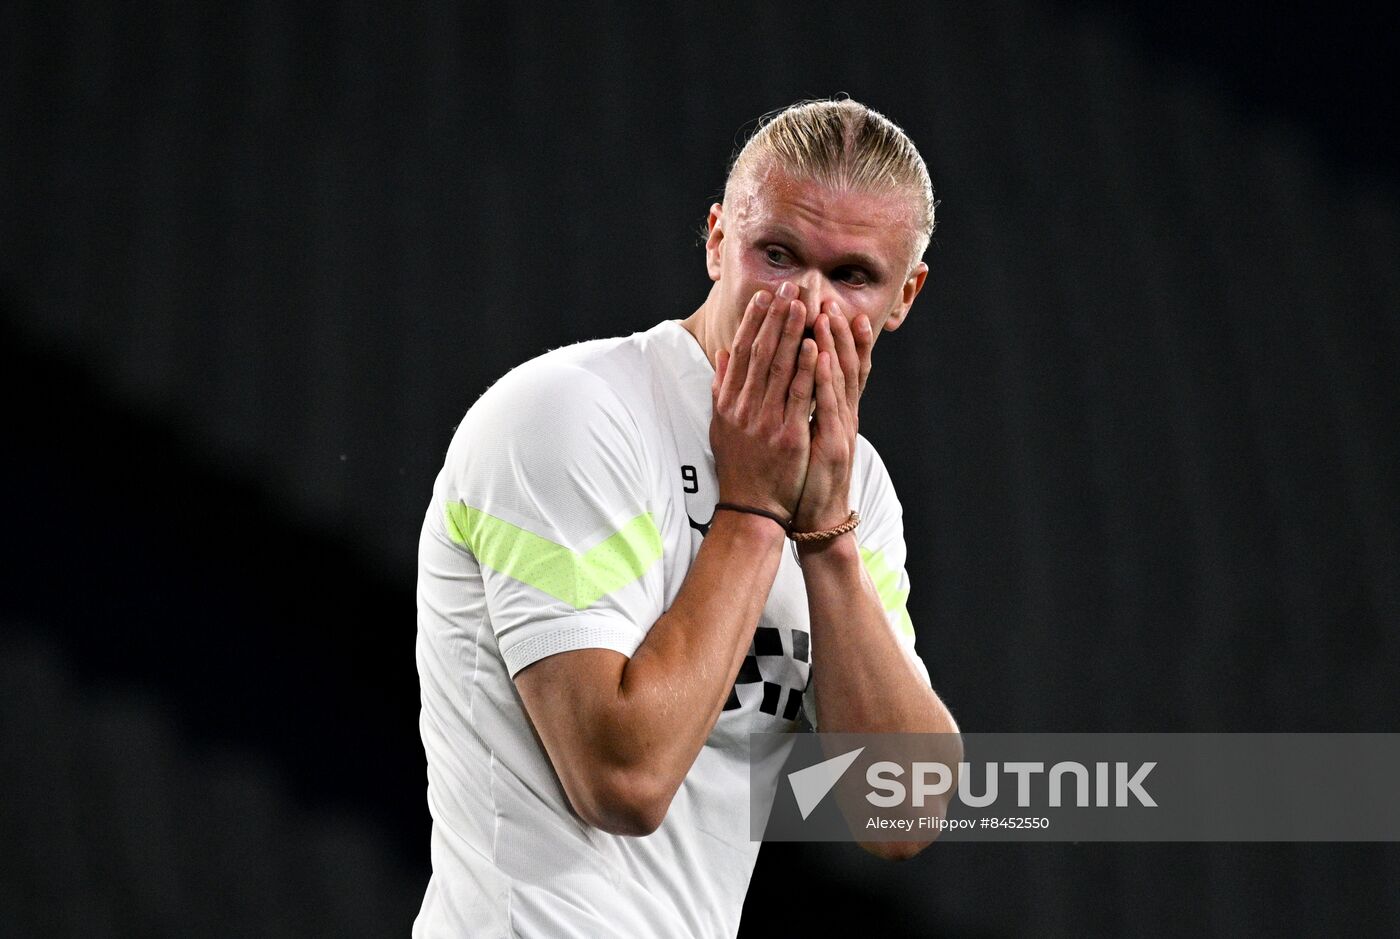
(810, 785)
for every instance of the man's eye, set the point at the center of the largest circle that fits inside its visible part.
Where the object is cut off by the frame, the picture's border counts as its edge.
(855, 277)
(776, 255)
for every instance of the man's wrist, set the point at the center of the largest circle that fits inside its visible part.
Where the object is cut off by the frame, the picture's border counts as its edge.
(783, 520)
(815, 519)
(749, 525)
(843, 547)
(831, 514)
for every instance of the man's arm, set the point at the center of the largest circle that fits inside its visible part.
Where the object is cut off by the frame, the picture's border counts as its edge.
(622, 733)
(864, 680)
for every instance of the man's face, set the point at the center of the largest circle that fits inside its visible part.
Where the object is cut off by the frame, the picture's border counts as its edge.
(851, 249)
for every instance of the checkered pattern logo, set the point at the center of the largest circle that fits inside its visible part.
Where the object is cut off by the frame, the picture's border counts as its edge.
(774, 675)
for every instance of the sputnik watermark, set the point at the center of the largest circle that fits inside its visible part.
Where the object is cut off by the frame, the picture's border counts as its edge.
(1075, 787)
(887, 788)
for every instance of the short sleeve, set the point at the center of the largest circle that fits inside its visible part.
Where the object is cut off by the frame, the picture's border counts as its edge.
(549, 494)
(882, 548)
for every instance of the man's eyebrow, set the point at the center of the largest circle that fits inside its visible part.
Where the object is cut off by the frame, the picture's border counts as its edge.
(851, 258)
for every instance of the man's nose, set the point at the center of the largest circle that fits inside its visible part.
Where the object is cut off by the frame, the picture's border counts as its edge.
(816, 292)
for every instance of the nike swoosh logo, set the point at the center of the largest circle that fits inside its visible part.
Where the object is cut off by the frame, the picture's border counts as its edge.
(705, 530)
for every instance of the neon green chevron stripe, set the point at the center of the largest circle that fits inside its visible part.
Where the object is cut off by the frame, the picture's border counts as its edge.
(579, 580)
(886, 580)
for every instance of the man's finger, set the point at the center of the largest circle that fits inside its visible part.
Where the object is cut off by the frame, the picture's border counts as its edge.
(721, 367)
(753, 316)
(785, 359)
(799, 401)
(828, 417)
(765, 344)
(865, 341)
(847, 356)
(826, 342)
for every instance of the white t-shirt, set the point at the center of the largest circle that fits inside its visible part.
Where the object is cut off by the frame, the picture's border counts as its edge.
(572, 501)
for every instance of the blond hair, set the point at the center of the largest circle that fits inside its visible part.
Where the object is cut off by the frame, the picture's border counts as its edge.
(845, 145)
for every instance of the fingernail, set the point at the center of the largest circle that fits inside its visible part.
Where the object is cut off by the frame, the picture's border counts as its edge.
(788, 290)
(864, 325)
(763, 299)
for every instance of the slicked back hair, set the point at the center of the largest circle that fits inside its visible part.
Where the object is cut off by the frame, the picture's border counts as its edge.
(844, 145)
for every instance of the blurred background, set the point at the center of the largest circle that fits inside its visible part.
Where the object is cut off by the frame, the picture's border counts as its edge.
(256, 261)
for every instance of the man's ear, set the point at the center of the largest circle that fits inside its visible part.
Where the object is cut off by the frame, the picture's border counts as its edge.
(912, 285)
(713, 254)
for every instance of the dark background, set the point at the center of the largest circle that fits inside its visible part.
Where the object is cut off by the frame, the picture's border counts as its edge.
(255, 263)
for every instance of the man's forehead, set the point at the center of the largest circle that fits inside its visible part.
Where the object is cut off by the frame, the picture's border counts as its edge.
(775, 198)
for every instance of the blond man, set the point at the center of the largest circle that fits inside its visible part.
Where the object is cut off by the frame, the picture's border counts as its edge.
(641, 550)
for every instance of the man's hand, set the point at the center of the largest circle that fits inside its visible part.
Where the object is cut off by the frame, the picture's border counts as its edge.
(863, 679)
(623, 732)
(843, 365)
(762, 395)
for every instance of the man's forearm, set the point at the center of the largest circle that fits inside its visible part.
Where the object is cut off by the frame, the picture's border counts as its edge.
(865, 681)
(623, 733)
(673, 688)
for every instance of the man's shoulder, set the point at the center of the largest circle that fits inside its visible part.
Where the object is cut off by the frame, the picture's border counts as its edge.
(622, 372)
(573, 426)
(590, 395)
(583, 374)
(604, 359)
